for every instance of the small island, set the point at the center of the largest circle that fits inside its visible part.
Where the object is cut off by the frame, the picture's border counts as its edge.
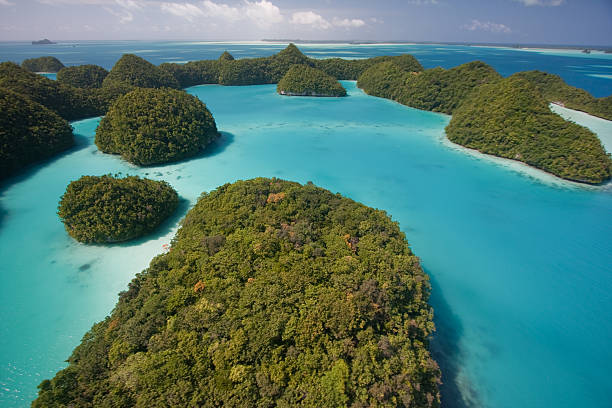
(82, 76)
(154, 126)
(42, 64)
(44, 41)
(107, 209)
(302, 80)
(273, 294)
(29, 132)
(135, 71)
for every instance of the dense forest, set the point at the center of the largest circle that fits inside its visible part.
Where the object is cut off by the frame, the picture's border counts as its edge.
(510, 118)
(135, 71)
(273, 294)
(555, 90)
(42, 64)
(437, 89)
(82, 76)
(151, 126)
(29, 132)
(302, 80)
(107, 209)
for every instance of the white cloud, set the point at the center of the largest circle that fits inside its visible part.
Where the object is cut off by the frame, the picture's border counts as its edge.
(212, 9)
(476, 25)
(129, 4)
(348, 23)
(185, 10)
(311, 19)
(422, 2)
(124, 16)
(263, 13)
(77, 2)
(6, 3)
(551, 3)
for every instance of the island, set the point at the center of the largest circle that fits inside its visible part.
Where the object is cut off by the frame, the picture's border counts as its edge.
(42, 64)
(135, 71)
(44, 41)
(153, 126)
(271, 294)
(82, 76)
(302, 80)
(109, 209)
(29, 132)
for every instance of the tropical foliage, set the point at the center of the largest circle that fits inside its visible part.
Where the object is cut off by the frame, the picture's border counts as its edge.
(29, 132)
(107, 209)
(151, 126)
(437, 89)
(352, 69)
(510, 118)
(302, 80)
(133, 70)
(272, 295)
(42, 64)
(82, 76)
(555, 90)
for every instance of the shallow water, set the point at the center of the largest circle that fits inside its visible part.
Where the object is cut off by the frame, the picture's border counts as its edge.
(520, 264)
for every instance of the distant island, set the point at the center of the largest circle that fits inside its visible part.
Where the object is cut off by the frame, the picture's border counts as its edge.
(302, 80)
(43, 42)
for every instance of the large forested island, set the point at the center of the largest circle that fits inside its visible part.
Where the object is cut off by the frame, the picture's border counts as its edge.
(302, 80)
(272, 294)
(109, 209)
(152, 126)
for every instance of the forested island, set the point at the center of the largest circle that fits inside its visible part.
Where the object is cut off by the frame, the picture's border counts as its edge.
(302, 80)
(88, 91)
(153, 126)
(42, 64)
(109, 209)
(272, 294)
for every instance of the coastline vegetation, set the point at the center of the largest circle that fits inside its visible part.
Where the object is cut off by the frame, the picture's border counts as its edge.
(42, 64)
(151, 126)
(302, 80)
(107, 209)
(29, 133)
(510, 118)
(272, 294)
(82, 76)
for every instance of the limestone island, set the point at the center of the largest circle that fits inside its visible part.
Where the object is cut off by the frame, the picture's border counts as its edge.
(273, 294)
(83, 76)
(44, 41)
(302, 80)
(107, 209)
(153, 126)
(42, 64)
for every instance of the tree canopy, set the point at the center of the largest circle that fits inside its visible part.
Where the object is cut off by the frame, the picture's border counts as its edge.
(151, 126)
(510, 118)
(29, 132)
(107, 209)
(302, 80)
(136, 71)
(42, 64)
(82, 76)
(273, 294)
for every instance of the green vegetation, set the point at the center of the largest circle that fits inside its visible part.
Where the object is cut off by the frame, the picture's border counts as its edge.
(68, 102)
(437, 89)
(554, 89)
(352, 69)
(42, 64)
(510, 118)
(107, 209)
(29, 133)
(302, 80)
(133, 70)
(226, 56)
(82, 76)
(272, 295)
(151, 126)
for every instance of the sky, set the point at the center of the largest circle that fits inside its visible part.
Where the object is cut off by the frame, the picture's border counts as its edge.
(584, 22)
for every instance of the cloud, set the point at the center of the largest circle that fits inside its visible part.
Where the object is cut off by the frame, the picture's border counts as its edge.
(346, 23)
(124, 16)
(185, 10)
(422, 2)
(476, 25)
(310, 18)
(77, 2)
(263, 13)
(6, 3)
(551, 3)
(129, 4)
(212, 9)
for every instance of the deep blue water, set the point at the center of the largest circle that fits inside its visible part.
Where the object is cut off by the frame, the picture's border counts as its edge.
(521, 264)
(576, 68)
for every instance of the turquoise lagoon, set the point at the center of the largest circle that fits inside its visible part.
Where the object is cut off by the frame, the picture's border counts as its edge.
(521, 262)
